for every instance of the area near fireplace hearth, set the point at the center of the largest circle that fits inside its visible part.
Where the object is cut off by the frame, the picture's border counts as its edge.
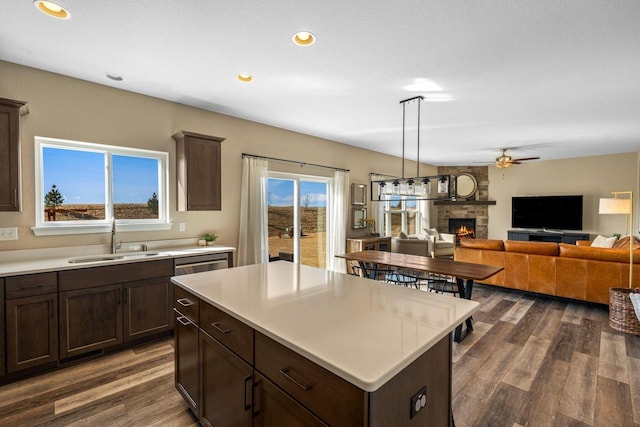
(466, 217)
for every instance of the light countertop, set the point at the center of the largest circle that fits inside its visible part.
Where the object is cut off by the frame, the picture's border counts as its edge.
(361, 330)
(57, 259)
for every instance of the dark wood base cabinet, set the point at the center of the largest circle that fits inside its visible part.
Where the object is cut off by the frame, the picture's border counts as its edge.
(225, 385)
(90, 319)
(31, 321)
(245, 378)
(273, 407)
(186, 338)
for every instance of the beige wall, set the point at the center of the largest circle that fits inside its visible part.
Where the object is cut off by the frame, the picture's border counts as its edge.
(67, 108)
(594, 177)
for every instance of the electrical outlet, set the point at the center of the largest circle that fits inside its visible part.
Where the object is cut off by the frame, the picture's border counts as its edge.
(183, 226)
(418, 401)
(9, 233)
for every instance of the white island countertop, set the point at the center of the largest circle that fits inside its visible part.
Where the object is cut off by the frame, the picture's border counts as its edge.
(364, 331)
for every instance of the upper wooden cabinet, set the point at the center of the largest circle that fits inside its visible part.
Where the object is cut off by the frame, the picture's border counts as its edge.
(198, 171)
(10, 112)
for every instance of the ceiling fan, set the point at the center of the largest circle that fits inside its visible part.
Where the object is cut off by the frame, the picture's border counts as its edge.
(504, 161)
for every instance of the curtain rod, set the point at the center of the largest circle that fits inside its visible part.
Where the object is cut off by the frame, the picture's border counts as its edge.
(293, 161)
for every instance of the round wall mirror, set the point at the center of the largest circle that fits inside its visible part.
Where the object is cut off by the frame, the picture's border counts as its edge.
(466, 185)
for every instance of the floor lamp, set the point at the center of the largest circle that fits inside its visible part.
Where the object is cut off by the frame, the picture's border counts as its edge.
(621, 206)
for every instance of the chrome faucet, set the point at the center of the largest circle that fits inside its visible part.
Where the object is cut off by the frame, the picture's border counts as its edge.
(114, 246)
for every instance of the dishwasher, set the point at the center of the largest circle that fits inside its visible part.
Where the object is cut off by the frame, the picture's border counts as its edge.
(198, 263)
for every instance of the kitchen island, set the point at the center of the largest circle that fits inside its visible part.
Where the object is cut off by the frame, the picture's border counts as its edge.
(286, 344)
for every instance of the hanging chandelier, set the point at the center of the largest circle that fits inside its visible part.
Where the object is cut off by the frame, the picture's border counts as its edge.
(417, 187)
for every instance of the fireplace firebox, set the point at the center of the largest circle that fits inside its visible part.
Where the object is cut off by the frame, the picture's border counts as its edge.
(462, 228)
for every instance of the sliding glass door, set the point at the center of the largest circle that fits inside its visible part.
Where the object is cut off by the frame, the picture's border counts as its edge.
(297, 218)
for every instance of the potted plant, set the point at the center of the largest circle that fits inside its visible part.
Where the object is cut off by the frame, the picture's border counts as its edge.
(209, 238)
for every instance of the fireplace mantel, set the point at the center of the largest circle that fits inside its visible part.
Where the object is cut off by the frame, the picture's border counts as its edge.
(464, 202)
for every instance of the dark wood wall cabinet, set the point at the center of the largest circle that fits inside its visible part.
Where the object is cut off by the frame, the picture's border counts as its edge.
(10, 112)
(198, 171)
(244, 378)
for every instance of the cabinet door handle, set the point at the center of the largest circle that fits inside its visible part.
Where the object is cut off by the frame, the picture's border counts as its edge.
(185, 302)
(247, 384)
(224, 331)
(183, 320)
(28, 287)
(285, 372)
(256, 398)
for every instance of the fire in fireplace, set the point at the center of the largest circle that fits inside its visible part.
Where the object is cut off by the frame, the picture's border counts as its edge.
(462, 228)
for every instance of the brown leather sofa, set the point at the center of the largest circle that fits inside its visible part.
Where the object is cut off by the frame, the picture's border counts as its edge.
(571, 271)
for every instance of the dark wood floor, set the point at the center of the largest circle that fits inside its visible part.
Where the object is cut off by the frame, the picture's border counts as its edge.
(540, 361)
(531, 361)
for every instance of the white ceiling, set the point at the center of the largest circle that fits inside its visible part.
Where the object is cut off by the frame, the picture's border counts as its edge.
(549, 78)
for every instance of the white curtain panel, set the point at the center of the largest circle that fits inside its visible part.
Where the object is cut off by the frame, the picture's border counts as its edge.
(376, 209)
(253, 243)
(423, 207)
(338, 218)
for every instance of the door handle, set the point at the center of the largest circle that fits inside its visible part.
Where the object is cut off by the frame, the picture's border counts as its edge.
(183, 320)
(185, 302)
(224, 331)
(302, 385)
(247, 383)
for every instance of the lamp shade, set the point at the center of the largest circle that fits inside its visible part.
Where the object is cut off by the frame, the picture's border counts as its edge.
(615, 206)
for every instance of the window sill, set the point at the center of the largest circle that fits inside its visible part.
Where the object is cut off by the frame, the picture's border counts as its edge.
(60, 230)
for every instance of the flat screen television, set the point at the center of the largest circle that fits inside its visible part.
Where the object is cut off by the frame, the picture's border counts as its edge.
(547, 212)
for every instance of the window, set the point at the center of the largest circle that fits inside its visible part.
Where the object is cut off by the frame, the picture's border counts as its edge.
(401, 213)
(297, 218)
(81, 187)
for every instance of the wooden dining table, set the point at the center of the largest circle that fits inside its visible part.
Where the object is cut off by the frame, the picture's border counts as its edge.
(464, 272)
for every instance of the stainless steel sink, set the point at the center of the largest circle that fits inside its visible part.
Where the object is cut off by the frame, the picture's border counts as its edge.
(110, 257)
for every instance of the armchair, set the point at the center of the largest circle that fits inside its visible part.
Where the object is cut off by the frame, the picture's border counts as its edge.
(434, 245)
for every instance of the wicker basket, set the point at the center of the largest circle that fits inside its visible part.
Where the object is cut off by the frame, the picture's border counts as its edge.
(622, 316)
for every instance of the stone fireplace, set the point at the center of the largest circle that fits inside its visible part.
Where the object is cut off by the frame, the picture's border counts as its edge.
(462, 228)
(476, 207)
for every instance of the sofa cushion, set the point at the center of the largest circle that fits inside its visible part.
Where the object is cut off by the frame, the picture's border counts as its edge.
(488, 244)
(432, 232)
(604, 242)
(402, 235)
(535, 248)
(598, 254)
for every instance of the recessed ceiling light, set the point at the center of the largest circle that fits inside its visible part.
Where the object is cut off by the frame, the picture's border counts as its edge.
(114, 77)
(52, 9)
(304, 38)
(246, 78)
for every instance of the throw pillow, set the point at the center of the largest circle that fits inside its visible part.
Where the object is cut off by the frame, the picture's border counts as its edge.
(432, 232)
(604, 242)
(402, 235)
(635, 300)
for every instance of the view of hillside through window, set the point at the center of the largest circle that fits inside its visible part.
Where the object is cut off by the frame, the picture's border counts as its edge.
(312, 208)
(76, 188)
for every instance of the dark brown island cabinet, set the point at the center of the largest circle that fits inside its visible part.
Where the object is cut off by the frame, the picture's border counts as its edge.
(232, 375)
(10, 113)
(198, 170)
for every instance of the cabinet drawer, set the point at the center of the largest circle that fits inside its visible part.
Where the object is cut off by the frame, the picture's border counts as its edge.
(91, 277)
(31, 285)
(330, 397)
(228, 330)
(187, 304)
